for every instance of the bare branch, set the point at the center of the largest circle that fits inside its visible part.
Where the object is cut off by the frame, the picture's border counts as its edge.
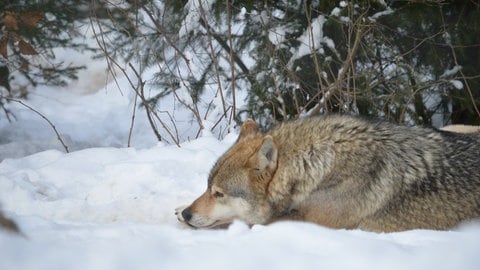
(214, 58)
(45, 118)
(138, 88)
(232, 61)
(133, 120)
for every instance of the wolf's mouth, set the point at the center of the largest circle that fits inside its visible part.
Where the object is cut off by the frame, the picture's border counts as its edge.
(221, 224)
(202, 222)
(218, 224)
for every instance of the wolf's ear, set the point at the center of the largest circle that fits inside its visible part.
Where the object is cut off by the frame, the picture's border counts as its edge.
(267, 155)
(249, 127)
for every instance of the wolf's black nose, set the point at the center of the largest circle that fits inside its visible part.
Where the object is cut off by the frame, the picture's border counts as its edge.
(186, 214)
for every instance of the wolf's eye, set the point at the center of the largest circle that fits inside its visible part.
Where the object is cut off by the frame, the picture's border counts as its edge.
(218, 194)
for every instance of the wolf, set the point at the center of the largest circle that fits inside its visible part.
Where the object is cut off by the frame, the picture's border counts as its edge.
(343, 172)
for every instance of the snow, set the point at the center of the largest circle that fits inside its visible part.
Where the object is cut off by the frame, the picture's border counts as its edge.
(311, 39)
(450, 72)
(457, 84)
(335, 11)
(106, 206)
(377, 15)
(194, 14)
(277, 35)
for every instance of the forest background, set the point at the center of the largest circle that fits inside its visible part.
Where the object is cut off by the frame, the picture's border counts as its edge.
(410, 62)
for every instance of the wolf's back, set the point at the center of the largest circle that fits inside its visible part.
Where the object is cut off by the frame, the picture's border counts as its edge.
(389, 177)
(446, 188)
(435, 177)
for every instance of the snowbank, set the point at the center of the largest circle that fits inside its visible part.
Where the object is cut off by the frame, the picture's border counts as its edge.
(99, 119)
(112, 208)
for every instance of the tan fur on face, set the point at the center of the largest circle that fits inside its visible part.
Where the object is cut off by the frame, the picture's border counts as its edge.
(202, 207)
(242, 173)
(209, 211)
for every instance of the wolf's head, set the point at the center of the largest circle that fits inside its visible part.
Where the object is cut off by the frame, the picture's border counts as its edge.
(238, 183)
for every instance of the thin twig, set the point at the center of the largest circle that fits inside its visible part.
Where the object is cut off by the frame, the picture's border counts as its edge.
(214, 58)
(138, 92)
(45, 118)
(195, 112)
(133, 120)
(318, 68)
(232, 61)
(467, 85)
(151, 111)
(164, 34)
(336, 86)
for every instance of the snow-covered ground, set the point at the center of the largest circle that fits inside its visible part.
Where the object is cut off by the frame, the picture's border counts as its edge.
(112, 208)
(105, 206)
